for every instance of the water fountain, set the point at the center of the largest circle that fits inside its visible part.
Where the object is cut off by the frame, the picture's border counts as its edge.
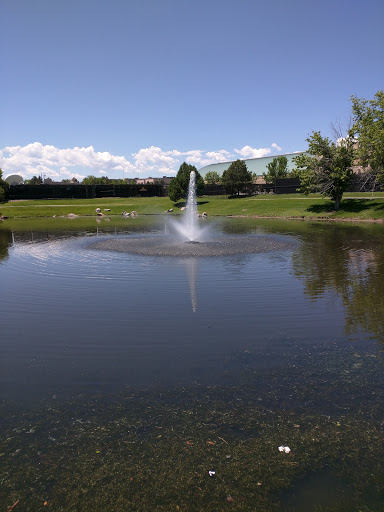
(189, 230)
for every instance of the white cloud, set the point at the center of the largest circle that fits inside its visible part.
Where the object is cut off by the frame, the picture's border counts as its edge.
(37, 159)
(201, 158)
(154, 158)
(275, 146)
(248, 152)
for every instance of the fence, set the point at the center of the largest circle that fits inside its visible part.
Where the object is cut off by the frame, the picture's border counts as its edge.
(359, 183)
(68, 191)
(282, 186)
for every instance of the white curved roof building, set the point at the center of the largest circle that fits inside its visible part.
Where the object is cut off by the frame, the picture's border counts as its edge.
(256, 165)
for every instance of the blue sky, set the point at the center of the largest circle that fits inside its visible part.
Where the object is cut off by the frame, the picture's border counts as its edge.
(136, 87)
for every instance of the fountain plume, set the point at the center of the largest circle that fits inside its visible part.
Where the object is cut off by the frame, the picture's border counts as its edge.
(191, 214)
(189, 228)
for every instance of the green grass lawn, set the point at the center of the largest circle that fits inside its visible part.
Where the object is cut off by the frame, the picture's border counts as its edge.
(359, 206)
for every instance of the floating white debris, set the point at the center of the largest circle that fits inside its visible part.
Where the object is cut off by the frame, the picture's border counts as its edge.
(212, 473)
(285, 449)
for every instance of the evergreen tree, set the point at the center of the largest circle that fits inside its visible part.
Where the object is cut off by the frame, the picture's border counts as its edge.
(236, 177)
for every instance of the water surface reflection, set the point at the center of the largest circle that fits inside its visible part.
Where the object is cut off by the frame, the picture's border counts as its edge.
(102, 320)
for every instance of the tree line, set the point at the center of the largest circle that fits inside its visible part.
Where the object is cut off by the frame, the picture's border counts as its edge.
(88, 180)
(3, 188)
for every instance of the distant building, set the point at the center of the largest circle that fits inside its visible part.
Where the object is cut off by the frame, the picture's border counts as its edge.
(165, 180)
(145, 181)
(254, 165)
(259, 166)
(14, 179)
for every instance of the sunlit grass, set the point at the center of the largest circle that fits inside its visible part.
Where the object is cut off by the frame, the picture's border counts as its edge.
(354, 205)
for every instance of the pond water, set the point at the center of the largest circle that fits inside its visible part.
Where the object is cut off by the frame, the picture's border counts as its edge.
(278, 347)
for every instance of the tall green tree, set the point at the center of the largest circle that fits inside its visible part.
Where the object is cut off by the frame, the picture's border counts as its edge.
(212, 178)
(3, 188)
(368, 130)
(326, 167)
(277, 169)
(236, 177)
(178, 188)
(175, 192)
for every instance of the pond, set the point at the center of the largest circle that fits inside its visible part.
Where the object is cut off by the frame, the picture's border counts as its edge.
(154, 382)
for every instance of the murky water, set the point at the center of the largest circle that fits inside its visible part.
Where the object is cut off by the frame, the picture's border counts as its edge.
(298, 328)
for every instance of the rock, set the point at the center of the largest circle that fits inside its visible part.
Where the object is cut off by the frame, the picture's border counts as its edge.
(98, 210)
(72, 215)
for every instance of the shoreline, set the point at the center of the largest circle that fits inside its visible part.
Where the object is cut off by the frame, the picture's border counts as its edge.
(323, 219)
(281, 217)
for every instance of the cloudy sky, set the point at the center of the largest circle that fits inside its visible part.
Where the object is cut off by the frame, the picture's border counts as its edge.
(129, 88)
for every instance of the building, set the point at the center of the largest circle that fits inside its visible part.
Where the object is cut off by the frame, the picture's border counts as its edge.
(165, 180)
(254, 165)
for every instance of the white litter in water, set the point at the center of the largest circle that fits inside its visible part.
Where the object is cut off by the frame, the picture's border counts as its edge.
(285, 449)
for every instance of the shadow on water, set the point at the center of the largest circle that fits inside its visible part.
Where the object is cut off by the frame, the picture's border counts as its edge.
(348, 261)
(5, 242)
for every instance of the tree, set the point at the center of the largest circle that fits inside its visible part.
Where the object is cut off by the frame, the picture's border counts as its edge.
(277, 169)
(35, 180)
(236, 177)
(178, 188)
(326, 167)
(368, 131)
(3, 188)
(212, 178)
(175, 192)
(93, 180)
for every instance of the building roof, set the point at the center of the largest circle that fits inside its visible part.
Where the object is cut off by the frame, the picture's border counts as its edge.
(256, 165)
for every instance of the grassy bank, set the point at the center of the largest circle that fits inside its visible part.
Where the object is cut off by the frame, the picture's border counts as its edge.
(354, 206)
